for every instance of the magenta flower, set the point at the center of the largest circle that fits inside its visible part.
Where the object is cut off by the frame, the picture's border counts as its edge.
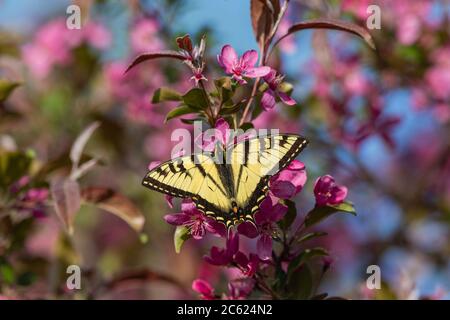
(243, 66)
(194, 219)
(204, 288)
(289, 181)
(249, 265)
(327, 191)
(223, 257)
(221, 134)
(240, 289)
(198, 76)
(144, 36)
(269, 96)
(270, 212)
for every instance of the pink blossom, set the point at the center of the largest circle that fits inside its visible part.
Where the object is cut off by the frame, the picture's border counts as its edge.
(36, 195)
(53, 45)
(408, 29)
(223, 257)
(221, 134)
(438, 78)
(270, 212)
(289, 181)
(269, 96)
(243, 66)
(249, 265)
(194, 219)
(144, 36)
(19, 184)
(240, 289)
(327, 191)
(204, 288)
(97, 35)
(358, 7)
(198, 76)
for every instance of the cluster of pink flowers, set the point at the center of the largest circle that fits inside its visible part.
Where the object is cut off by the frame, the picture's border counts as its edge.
(417, 29)
(133, 89)
(284, 185)
(29, 201)
(53, 43)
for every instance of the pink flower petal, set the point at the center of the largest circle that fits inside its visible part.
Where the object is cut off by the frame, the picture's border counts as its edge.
(248, 229)
(264, 247)
(223, 130)
(152, 165)
(233, 243)
(249, 59)
(204, 288)
(270, 77)
(188, 207)
(278, 212)
(227, 58)
(282, 189)
(177, 219)
(257, 72)
(286, 99)
(241, 259)
(169, 200)
(268, 100)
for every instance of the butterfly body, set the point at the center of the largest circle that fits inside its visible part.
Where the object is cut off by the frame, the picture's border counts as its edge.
(228, 186)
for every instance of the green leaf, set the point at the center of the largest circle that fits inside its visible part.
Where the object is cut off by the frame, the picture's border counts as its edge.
(190, 121)
(181, 235)
(166, 94)
(227, 110)
(225, 88)
(179, 111)
(319, 213)
(311, 235)
(290, 215)
(196, 99)
(6, 88)
(305, 256)
(27, 278)
(247, 126)
(300, 285)
(7, 273)
(14, 165)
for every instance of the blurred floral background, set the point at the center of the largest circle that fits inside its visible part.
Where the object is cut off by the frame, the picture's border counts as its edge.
(377, 120)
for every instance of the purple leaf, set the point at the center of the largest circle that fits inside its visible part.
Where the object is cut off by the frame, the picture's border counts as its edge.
(156, 55)
(264, 14)
(80, 142)
(67, 201)
(332, 24)
(115, 203)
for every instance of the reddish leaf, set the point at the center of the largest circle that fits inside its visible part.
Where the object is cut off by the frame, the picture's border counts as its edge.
(155, 55)
(66, 199)
(79, 144)
(115, 203)
(263, 14)
(332, 24)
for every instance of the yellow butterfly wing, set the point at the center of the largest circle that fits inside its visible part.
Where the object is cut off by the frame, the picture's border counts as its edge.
(254, 161)
(196, 177)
